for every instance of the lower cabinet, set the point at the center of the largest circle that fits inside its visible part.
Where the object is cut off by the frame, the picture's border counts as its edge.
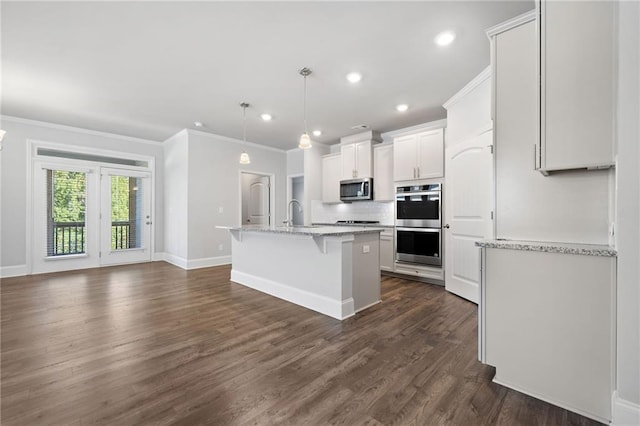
(547, 326)
(386, 250)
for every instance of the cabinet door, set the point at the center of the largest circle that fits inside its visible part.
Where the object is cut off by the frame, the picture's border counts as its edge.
(348, 155)
(364, 161)
(404, 158)
(386, 251)
(430, 154)
(383, 173)
(331, 178)
(578, 78)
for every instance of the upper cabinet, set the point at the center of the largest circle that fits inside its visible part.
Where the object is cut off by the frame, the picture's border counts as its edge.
(356, 160)
(383, 173)
(419, 156)
(331, 178)
(577, 77)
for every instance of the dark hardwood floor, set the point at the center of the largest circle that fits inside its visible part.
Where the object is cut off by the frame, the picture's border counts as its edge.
(153, 344)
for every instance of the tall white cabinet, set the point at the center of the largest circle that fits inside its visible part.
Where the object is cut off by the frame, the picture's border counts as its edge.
(383, 189)
(577, 69)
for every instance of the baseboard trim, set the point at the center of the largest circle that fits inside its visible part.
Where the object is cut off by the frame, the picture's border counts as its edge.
(334, 308)
(624, 413)
(189, 264)
(178, 261)
(13, 271)
(560, 404)
(207, 262)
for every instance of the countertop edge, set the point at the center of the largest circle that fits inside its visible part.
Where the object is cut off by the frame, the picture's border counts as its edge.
(549, 247)
(311, 232)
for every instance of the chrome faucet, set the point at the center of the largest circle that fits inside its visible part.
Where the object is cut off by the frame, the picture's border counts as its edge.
(289, 221)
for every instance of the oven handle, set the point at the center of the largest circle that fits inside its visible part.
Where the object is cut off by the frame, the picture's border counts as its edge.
(419, 229)
(409, 194)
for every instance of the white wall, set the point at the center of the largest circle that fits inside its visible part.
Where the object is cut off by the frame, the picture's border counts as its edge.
(469, 110)
(14, 176)
(214, 184)
(295, 161)
(628, 205)
(312, 177)
(176, 155)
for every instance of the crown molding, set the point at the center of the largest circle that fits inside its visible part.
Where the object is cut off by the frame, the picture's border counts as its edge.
(63, 127)
(232, 140)
(480, 78)
(432, 125)
(512, 23)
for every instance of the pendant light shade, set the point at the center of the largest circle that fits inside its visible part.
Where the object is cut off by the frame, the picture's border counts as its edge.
(244, 157)
(305, 140)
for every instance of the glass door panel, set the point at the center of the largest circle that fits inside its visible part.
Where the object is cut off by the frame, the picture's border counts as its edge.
(126, 217)
(65, 235)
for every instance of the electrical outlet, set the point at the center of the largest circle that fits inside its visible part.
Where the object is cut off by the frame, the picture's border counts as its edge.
(220, 247)
(366, 249)
(220, 210)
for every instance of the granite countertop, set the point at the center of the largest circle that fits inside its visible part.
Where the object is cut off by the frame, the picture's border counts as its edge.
(313, 231)
(359, 225)
(550, 247)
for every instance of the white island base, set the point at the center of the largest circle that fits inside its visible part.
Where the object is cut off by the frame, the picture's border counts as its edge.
(335, 273)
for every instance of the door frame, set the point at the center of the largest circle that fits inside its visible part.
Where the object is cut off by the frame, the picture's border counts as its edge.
(32, 147)
(272, 194)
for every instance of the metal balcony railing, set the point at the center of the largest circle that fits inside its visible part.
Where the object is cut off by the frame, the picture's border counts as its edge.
(71, 237)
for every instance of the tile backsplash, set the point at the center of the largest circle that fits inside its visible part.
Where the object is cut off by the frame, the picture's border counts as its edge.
(360, 210)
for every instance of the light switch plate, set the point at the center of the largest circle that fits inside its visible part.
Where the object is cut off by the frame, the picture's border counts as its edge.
(366, 249)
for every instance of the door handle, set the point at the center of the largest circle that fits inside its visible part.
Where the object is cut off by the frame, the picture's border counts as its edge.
(446, 226)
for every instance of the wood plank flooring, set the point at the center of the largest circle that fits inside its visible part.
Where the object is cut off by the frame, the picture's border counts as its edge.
(153, 344)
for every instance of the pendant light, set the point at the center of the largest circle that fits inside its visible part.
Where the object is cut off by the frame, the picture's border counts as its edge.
(244, 157)
(305, 140)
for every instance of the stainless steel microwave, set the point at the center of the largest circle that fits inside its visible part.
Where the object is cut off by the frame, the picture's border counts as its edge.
(356, 189)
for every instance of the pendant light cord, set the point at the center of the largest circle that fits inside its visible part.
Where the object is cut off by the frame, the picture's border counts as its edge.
(244, 123)
(305, 104)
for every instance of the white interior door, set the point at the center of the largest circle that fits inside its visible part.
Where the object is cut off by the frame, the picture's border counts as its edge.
(125, 216)
(468, 205)
(65, 208)
(259, 197)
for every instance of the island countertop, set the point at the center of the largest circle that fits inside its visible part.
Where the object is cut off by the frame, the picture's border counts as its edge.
(313, 231)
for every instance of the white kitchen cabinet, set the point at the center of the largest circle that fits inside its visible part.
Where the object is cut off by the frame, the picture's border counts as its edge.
(383, 189)
(547, 325)
(419, 156)
(577, 75)
(386, 250)
(331, 165)
(356, 160)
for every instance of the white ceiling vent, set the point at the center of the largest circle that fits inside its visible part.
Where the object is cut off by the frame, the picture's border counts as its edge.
(360, 127)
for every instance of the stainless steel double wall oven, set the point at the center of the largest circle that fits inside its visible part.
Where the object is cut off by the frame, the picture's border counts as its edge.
(419, 224)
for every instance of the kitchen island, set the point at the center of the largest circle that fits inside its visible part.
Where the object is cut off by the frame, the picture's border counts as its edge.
(329, 269)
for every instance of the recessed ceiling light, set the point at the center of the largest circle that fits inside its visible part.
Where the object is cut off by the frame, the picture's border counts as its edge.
(445, 38)
(354, 77)
(198, 123)
(266, 117)
(317, 133)
(402, 107)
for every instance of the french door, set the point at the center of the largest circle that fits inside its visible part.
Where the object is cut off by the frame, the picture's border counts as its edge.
(125, 216)
(85, 217)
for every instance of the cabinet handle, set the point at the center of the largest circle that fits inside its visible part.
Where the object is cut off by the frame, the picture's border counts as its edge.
(418, 171)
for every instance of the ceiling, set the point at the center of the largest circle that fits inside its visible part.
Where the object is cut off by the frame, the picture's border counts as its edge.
(150, 69)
